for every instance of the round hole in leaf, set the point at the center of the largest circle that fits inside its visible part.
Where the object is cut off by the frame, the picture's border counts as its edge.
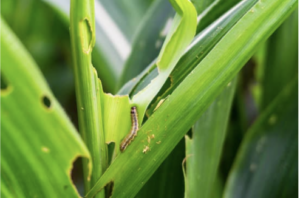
(4, 84)
(46, 102)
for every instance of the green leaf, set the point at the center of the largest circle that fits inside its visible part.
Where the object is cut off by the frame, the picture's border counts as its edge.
(167, 180)
(181, 34)
(213, 10)
(148, 39)
(88, 96)
(191, 98)
(197, 49)
(281, 61)
(38, 142)
(266, 164)
(33, 23)
(200, 47)
(204, 148)
(116, 109)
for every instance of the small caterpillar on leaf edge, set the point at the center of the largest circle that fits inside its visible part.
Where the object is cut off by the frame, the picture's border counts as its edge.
(133, 132)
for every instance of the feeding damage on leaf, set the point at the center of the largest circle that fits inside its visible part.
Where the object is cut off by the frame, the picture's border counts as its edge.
(86, 35)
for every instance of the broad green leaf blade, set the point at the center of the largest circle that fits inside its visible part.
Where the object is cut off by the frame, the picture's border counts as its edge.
(38, 142)
(82, 31)
(196, 51)
(220, 27)
(200, 47)
(181, 34)
(204, 148)
(167, 180)
(266, 165)
(117, 108)
(148, 39)
(281, 59)
(183, 107)
(33, 23)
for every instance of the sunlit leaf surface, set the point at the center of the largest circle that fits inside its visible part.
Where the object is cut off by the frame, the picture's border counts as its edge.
(38, 141)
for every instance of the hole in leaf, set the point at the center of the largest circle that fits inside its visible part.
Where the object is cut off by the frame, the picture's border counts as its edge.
(86, 35)
(111, 148)
(77, 175)
(46, 102)
(4, 84)
(109, 189)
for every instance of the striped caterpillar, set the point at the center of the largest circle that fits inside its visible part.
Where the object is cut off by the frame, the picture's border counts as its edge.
(133, 132)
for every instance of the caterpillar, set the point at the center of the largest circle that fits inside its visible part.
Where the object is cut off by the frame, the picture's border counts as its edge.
(133, 132)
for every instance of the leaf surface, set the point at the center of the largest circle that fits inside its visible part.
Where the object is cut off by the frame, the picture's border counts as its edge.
(266, 164)
(204, 148)
(39, 143)
(191, 98)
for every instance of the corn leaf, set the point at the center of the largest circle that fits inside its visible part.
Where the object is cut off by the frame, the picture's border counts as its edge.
(204, 148)
(191, 98)
(39, 143)
(266, 164)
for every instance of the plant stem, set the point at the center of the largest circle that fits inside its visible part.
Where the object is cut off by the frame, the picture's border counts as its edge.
(82, 29)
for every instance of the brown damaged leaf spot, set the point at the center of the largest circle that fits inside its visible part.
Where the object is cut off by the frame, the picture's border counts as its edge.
(149, 139)
(146, 149)
(159, 103)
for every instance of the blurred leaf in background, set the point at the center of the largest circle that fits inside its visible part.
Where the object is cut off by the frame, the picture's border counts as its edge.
(266, 165)
(47, 39)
